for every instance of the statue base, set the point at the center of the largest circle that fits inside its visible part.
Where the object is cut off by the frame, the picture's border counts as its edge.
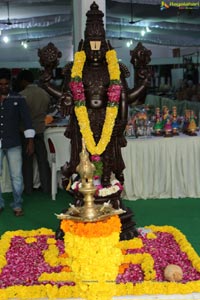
(129, 230)
(157, 133)
(168, 134)
(191, 133)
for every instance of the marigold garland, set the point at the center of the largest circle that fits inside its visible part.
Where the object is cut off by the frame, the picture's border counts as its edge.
(101, 228)
(135, 243)
(89, 245)
(113, 93)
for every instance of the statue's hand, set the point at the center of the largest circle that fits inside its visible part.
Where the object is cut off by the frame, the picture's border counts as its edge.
(144, 76)
(66, 104)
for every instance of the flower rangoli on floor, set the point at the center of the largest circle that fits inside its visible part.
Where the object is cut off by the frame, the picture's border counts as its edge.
(33, 265)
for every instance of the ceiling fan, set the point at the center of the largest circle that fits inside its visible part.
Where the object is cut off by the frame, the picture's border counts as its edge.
(120, 31)
(8, 22)
(132, 21)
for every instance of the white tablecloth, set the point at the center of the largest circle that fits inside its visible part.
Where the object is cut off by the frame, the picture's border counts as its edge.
(162, 167)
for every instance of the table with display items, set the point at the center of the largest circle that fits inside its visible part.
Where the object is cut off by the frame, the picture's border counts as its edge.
(160, 167)
(160, 101)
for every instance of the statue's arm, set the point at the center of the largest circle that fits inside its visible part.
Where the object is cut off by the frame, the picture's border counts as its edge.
(140, 58)
(135, 96)
(63, 96)
(49, 59)
(130, 96)
(50, 88)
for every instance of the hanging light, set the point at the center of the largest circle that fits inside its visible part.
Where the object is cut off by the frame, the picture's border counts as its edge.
(143, 32)
(148, 29)
(129, 43)
(6, 39)
(24, 44)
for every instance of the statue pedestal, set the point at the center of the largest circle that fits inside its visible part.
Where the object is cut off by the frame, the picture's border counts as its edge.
(129, 230)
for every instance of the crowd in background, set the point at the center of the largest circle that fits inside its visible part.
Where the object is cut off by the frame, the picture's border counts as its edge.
(188, 91)
(22, 113)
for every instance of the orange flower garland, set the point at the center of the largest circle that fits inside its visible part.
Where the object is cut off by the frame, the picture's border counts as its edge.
(101, 228)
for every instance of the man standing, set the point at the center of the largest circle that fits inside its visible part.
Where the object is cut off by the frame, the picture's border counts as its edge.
(38, 103)
(13, 113)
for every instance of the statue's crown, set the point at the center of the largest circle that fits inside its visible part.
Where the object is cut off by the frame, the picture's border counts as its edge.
(94, 25)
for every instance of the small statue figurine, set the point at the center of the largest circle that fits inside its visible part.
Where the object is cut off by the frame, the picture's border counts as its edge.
(165, 114)
(175, 125)
(168, 127)
(140, 123)
(129, 130)
(158, 122)
(186, 121)
(192, 127)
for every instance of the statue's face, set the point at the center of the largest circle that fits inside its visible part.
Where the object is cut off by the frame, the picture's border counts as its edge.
(95, 51)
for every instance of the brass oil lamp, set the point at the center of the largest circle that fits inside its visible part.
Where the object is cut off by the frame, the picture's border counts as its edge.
(89, 212)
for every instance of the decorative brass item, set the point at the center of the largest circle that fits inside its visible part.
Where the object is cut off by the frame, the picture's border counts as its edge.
(89, 212)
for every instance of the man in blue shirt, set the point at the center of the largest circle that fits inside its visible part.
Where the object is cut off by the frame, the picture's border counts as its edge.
(14, 113)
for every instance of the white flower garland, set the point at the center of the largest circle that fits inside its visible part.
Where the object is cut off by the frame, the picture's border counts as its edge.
(102, 192)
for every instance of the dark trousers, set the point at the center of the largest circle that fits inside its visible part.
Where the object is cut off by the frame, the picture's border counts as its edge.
(43, 165)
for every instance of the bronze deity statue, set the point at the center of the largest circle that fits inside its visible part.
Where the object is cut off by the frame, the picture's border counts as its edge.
(99, 95)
